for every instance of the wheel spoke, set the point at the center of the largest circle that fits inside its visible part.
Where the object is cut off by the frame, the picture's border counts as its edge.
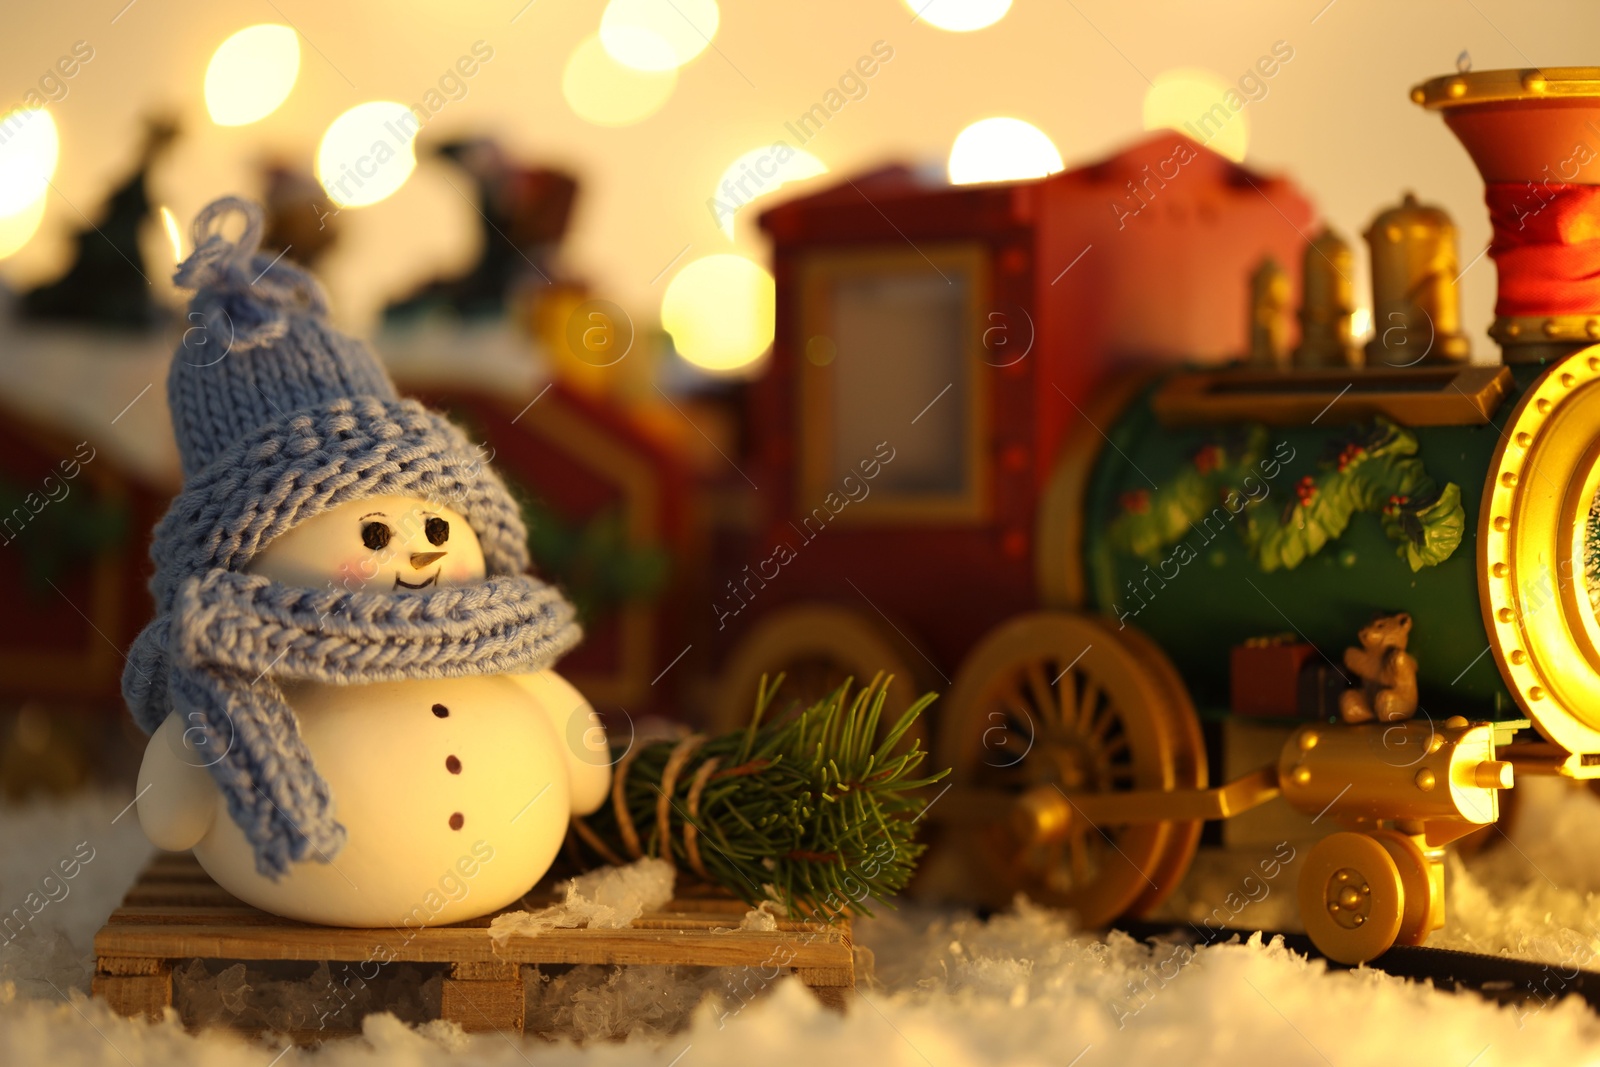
(1015, 703)
(1024, 723)
(1039, 687)
(1067, 693)
(1100, 724)
(1080, 859)
(1090, 704)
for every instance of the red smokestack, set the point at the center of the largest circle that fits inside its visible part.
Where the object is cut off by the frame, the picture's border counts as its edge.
(1535, 137)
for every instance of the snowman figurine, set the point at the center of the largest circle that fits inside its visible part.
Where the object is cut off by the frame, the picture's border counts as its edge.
(354, 719)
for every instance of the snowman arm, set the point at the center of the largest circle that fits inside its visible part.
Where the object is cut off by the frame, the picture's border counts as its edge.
(176, 797)
(580, 733)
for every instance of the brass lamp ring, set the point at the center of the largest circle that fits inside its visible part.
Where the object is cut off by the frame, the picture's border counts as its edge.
(1541, 485)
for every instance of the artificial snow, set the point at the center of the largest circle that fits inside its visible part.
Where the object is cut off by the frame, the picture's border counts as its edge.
(946, 989)
(763, 916)
(606, 898)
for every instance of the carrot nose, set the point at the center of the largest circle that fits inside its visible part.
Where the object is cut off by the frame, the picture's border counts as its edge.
(420, 560)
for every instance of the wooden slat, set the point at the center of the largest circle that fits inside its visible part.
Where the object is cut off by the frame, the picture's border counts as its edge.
(147, 995)
(451, 944)
(188, 915)
(482, 1006)
(175, 912)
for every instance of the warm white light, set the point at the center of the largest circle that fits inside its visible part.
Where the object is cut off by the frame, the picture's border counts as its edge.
(29, 146)
(1202, 106)
(366, 153)
(602, 91)
(1360, 322)
(16, 230)
(169, 221)
(757, 173)
(657, 34)
(719, 311)
(1002, 149)
(251, 74)
(959, 15)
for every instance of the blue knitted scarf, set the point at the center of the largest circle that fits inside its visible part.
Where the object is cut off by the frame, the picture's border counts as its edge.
(234, 637)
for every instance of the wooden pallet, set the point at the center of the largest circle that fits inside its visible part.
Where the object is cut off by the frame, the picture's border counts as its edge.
(175, 912)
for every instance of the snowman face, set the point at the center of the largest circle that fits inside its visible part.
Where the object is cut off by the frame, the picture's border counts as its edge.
(377, 544)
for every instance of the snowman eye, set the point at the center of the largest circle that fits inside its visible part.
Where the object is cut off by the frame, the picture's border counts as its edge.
(375, 535)
(438, 531)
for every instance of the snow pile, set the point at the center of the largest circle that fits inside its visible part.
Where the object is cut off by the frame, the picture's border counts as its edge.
(607, 898)
(951, 990)
(588, 1004)
(319, 997)
(1537, 895)
(50, 919)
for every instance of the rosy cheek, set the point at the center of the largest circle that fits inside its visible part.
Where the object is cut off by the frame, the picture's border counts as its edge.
(357, 570)
(459, 572)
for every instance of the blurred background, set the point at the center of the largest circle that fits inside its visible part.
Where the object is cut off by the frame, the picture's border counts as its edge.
(1336, 117)
(545, 215)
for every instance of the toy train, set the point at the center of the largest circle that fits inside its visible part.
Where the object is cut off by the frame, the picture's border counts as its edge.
(1107, 565)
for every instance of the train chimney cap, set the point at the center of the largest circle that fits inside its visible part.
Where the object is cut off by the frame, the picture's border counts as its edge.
(1502, 86)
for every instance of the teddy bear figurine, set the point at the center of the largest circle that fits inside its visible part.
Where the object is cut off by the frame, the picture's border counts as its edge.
(1388, 673)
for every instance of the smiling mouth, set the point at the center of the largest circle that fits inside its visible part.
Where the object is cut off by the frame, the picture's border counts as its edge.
(401, 583)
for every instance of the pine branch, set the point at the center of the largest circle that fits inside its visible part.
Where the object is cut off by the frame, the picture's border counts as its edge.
(808, 809)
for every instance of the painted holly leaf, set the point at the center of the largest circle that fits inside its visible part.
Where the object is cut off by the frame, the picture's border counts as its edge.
(1430, 534)
(1149, 521)
(1373, 468)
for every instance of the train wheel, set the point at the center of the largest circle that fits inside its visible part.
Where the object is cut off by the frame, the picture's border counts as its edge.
(1064, 700)
(1352, 897)
(816, 647)
(1421, 887)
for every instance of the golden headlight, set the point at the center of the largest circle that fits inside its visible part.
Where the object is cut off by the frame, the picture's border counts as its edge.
(1531, 552)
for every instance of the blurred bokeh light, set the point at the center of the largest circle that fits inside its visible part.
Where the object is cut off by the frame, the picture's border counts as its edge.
(959, 15)
(1002, 149)
(29, 146)
(18, 228)
(757, 173)
(367, 153)
(251, 73)
(657, 35)
(719, 311)
(169, 222)
(602, 91)
(1181, 99)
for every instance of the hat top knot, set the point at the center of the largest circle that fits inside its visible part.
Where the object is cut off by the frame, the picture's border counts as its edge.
(257, 343)
(244, 298)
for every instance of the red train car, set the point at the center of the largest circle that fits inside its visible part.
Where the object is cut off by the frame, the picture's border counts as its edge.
(935, 347)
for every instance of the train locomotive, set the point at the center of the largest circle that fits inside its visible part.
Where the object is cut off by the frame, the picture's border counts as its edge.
(1207, 541)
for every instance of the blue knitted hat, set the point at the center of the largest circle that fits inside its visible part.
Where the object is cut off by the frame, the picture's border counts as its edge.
(280, 417)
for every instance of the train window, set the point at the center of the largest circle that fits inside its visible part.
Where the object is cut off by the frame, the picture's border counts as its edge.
(891, 384)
